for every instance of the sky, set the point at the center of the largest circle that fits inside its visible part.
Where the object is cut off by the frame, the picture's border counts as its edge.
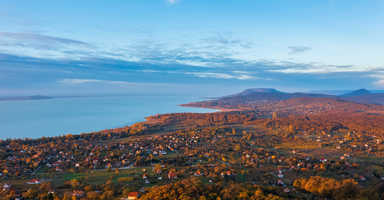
(200, 47)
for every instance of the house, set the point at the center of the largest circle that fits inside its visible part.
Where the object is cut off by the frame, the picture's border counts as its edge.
(133, 196)
(197, 173)
(78, 193)
(6, 187)
(362, 178)
(171, 175)
(280, 182)
(33, 182)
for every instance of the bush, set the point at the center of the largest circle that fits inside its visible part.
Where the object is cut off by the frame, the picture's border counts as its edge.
(327, 187)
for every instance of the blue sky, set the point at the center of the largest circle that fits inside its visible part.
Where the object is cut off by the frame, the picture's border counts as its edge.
(201, 47)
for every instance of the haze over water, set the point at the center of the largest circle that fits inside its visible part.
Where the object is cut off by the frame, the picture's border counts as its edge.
(53, 117)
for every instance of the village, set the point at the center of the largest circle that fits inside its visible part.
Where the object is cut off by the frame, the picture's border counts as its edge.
(129, 163)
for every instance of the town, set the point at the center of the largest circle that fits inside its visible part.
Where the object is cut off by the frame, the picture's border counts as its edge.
(251, 154)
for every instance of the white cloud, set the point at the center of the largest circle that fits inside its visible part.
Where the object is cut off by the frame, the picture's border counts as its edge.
(379, 83)
(196, 63)
(380, 79)
(78, 82)
(322, 69)
(239, 75)
(240, 72)
(221, 75)
(85, 81)
(244, 77)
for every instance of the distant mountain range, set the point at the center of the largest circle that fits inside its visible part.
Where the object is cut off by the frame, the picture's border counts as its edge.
(357, 93)
(270, 94)
(259, 96)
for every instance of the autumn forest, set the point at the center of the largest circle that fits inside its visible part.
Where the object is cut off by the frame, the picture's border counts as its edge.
(263, 144)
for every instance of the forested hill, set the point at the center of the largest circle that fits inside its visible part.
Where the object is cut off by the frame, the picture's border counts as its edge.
(258, 96)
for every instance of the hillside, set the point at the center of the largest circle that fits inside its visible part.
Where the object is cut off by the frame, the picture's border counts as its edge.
(358, 92)
(377, 98)
(251, 98)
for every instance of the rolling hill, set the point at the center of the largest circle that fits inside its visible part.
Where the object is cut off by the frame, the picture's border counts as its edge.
(256, 97)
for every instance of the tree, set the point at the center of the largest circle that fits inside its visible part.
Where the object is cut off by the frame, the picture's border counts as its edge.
(274, 116)
(74, 183)
(92, 195)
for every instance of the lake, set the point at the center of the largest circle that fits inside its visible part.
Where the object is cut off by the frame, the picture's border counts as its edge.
(58, 116)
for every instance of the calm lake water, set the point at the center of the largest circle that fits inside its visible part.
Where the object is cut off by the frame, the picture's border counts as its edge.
(53, 117)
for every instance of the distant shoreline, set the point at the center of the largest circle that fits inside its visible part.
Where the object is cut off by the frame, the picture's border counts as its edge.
(44, 97)
(217, 108)
(25, 98)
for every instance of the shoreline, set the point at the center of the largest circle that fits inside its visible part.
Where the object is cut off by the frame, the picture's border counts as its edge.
(217, 108)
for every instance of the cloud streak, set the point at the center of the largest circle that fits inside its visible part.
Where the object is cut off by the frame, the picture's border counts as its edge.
(221, 75)
(379, 79)
(32, 37)
(43, 46)
(298, 49)
(112, 83)
(220, 40)
(317, 68)
(379, 83)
